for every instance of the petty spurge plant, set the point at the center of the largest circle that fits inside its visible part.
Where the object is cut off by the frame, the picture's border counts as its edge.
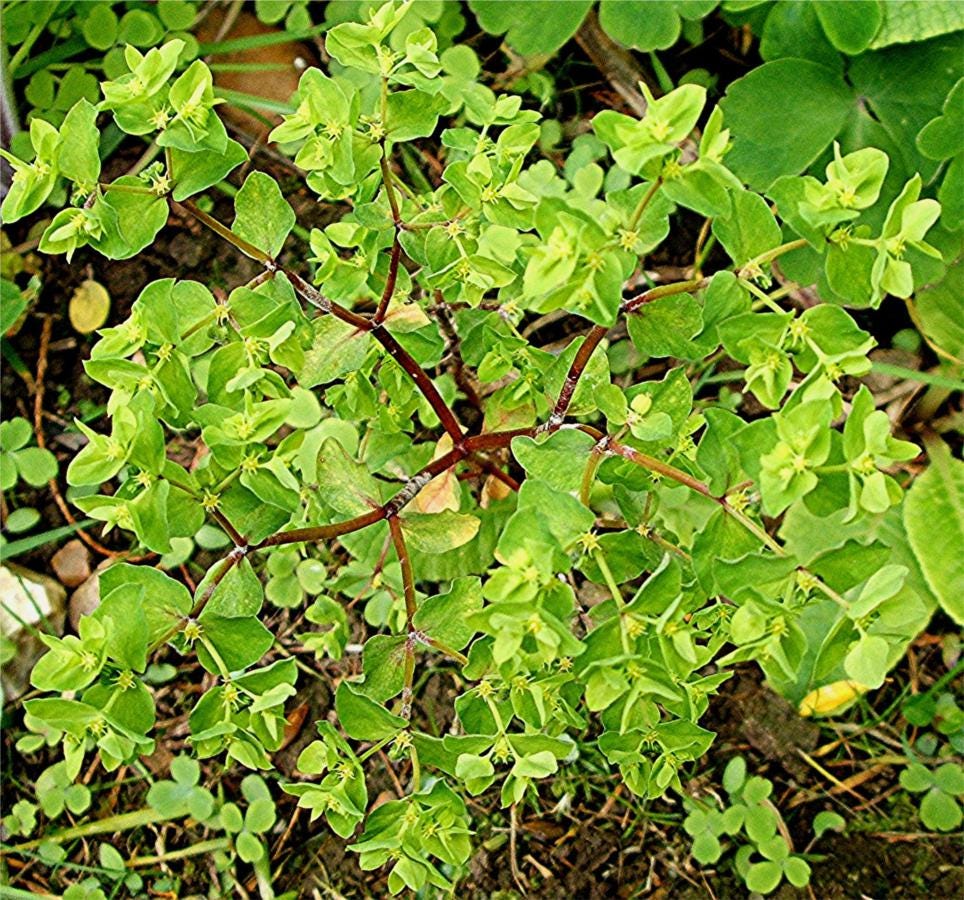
(388, 428)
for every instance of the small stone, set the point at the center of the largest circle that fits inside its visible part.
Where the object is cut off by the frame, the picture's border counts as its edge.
(84, 600)
(71, 563)
(28, 602)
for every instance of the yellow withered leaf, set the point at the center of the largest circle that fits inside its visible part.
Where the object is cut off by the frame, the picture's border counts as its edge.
(89, 307)
(831, 698)
(442, 492)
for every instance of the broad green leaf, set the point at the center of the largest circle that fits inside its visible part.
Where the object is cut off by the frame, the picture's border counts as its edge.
(444, 617)
(262, 215)
(655, 26)
(79, 159)
(559, 459)
(362, 718)
(866, 662)
(536, 27)
(337, 348)
(940, 308)
(239, 593)
(164, 600)
(240, 641)
(934, 520)
(382, 663)
(911, 20)
(346, 485)
(665, 326)
(820, 101)
(905, 87)
(195, 172)
(749, 230)
(850, 24)
(411, 114)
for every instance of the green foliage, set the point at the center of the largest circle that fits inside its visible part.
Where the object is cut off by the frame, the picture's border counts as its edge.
(20, 462)
(542, 28)
(328, 414)
(750, 824)
(83, 30)
(73, 40)
(849, 89)
(938, 493)
(942, 789)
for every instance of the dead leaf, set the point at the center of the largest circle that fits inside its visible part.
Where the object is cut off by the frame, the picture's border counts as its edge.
(293, 724)
(442, 492)
(89, 307)
(404, 317)
(493, 490)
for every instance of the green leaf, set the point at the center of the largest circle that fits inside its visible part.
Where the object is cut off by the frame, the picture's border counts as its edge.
(100, 27)
(827, 821)
(916, 778)
(164, 600)
(665, 326)
(262, 215)
(122, 610)
(560, 459)
(362, 718)
(195, 172)
(937, 496)
(949, 777)
(821, 103)
(337, 348)
(382, 663)
(239, 593)
(797, 871)
(36, 466)
(240, 641)
(411, 114)
(866, 662)
(349, 488)
(136, 219)
(940, 812)
(749, 230)
(12, 304)
(655, 26)
(911, 20)
(249, 848)
(940, 308)
(905, 87)
(763, 877)
(535, 27)
(850, 24)
(444, 617)
(78, 158)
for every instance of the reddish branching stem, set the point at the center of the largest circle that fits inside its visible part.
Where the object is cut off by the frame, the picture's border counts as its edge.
(408, 576)
(464, 448)
(390, 281)
(659, 467)
(236, 537)
(248, 249)
(579, 363)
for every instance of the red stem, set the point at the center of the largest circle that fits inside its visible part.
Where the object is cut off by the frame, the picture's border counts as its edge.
(390, 281)
(579, 363)
(408, 577)
(664, 290)
(232, 532)
(323, 532)
(660, 467)
(422, 381)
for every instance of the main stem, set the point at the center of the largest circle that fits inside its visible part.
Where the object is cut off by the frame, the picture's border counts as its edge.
(464, 446)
